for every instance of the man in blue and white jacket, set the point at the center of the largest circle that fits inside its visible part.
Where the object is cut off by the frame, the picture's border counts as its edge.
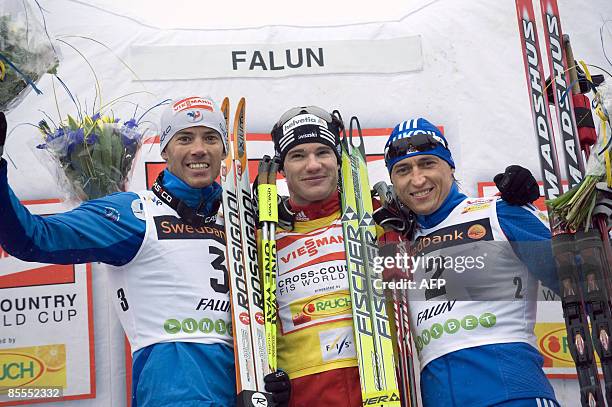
(166, 269)
(475, 336)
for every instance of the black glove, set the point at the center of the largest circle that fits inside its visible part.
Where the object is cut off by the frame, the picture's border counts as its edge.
(517, 185)
(279, 385)
(392, 214)
(3, 127)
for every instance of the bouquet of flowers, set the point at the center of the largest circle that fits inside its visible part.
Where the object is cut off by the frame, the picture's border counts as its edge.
(26, 53)
(95, 153)
(576, 206)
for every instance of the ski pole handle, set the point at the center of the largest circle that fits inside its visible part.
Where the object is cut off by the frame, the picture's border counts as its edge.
(571, 64)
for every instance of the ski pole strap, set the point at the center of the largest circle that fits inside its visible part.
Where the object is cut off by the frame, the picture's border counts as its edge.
(268, 205)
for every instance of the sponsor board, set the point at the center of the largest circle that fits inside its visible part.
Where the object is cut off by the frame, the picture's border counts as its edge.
(46, 327)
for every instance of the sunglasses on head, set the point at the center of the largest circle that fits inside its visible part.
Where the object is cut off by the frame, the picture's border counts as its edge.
(417, 143)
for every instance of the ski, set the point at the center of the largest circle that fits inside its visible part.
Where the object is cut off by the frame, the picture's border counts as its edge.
(374, 345)
(268, 218)
(392, 243)
(587, 245)
(579, 338)
(560, 81)
(241, 253)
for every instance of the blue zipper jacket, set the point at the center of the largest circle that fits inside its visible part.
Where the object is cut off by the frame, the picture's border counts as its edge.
(107, 230)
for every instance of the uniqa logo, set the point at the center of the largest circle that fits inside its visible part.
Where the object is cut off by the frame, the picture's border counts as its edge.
(554, 345)
(18, 369)
(327, 305)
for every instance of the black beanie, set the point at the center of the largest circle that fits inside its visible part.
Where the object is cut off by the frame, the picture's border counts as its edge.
(306, 124)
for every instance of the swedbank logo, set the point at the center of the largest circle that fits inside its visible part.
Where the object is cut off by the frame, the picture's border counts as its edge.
(328, 305)
(453, 236)
(170, 227)
(476, 232)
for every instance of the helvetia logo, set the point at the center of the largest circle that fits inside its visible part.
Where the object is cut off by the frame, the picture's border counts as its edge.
(302, 120)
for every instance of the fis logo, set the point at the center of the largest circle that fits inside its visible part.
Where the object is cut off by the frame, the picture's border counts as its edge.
(339, 345)
(194, 116)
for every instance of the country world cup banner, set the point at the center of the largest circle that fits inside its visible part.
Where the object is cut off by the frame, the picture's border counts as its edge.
(46, 321)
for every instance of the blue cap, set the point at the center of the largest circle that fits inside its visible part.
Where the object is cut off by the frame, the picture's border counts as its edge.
(409, 128)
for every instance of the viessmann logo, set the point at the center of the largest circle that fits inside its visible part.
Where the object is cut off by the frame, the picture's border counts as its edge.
(311, 247)
(192, 103)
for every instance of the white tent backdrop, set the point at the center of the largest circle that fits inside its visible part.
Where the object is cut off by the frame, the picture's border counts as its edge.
(457, 63)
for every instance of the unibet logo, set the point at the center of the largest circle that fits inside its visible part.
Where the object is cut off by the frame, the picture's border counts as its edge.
(327, 305)
(452, 326)
(191, 326)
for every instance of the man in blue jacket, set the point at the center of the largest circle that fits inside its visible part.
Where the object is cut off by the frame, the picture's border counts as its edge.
(165, 251)
(474, 336)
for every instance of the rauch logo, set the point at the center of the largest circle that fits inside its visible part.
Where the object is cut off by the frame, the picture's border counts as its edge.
(554, 345)
(327, 305)
(18, 369)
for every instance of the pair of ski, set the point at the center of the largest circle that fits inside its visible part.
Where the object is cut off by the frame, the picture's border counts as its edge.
(247, 297)
(373, 336)
(591, 286)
